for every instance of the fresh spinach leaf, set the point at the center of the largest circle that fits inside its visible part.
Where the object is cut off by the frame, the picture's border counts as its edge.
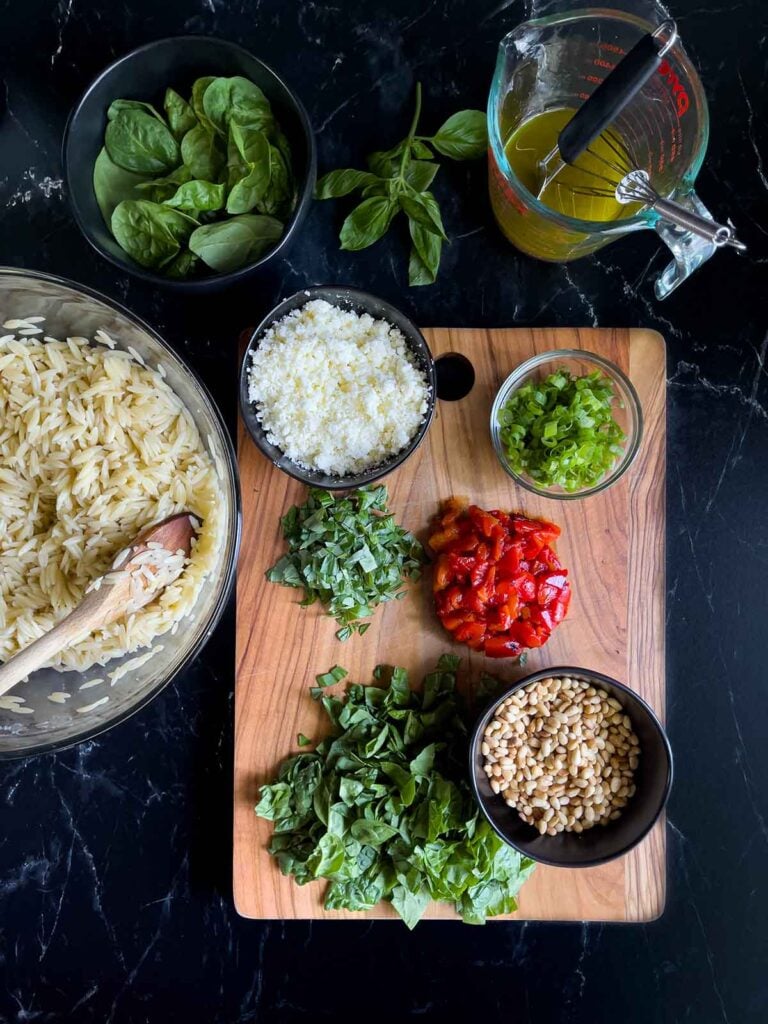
(236, 99)
(196, 101)
(157, 190)
(112, 184)
(181, 266)
(276, 199)
(151, 234)
(181, 116)
(139, 142)
(118, 106)
(230, 244)
(384, 817)
(203, 153)
(197, 197)
(253, 154)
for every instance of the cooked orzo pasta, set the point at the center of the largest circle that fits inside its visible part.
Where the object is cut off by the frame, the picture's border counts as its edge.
(93, 447)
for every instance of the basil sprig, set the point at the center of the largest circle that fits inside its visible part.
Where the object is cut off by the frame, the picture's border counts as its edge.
(382, 808)
(398, 181)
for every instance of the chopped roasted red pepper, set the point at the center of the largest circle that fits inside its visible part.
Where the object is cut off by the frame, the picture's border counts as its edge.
(498, 585)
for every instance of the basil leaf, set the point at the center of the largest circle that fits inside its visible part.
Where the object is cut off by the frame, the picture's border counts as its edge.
(334, 675)
(112, 184)
(367, 223)
(421, 150)
(197, 197)
(181, 266)
(425, 255)
(203, 153)
(151, 234)
(422, 208)
(341, 183)
(386, 163)
(421, 174)
(464, 136)
(302, 740)
(137, 141)
(325, 554)
(380, 187)
(230, 244)
(181, 116)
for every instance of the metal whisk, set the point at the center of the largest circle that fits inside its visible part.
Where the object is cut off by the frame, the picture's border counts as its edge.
(624, 180)
(627, 183)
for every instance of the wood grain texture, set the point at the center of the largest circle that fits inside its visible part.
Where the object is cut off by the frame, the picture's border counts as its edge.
(613, 544)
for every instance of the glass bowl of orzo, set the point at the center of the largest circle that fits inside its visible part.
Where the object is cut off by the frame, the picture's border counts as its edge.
(103, 430)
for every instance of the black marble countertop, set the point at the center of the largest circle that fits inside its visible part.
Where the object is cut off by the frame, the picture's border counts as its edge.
(115, 870)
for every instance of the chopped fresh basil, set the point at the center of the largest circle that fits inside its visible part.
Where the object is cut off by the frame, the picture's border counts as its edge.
(348, 553)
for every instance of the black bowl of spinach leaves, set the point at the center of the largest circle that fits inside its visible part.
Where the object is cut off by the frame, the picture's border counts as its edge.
(189, 163)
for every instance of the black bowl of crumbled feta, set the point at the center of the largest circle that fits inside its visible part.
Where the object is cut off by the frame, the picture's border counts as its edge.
(337, 387)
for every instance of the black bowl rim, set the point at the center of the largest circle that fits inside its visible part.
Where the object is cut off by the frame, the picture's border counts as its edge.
(212, 280)
(230, 571)
(364, 299)
(569, 670)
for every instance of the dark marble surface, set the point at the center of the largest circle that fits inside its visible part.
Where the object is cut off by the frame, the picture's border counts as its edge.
(115, 900)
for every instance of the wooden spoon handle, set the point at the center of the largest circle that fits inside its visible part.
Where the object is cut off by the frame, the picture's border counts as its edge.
(88, 616)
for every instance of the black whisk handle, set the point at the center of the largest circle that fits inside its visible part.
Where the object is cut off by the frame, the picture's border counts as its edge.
(613, 94)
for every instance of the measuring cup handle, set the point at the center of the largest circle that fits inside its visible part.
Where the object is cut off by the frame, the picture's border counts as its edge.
(688, 249)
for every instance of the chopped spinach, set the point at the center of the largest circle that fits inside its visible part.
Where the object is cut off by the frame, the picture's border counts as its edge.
(382, 809)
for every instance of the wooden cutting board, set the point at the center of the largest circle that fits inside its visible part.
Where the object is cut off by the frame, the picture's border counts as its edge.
(613, 544)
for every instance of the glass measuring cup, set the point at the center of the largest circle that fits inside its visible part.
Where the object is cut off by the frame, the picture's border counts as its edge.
(556, 63)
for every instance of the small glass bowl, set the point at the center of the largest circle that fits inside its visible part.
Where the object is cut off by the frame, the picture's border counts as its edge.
(627, 411)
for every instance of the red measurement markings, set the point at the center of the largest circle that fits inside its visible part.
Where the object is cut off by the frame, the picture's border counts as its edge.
(500, 184)
(677, 88)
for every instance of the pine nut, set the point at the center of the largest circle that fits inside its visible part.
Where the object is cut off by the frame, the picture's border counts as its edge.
(563, 754)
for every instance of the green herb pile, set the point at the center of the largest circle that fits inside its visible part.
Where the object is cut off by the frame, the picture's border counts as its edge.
(398, 180)
(382, 808)
(209, 185)
(348, 553)
(561, 432)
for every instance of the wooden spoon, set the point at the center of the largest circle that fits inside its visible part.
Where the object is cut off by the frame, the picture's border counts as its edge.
(104, 603)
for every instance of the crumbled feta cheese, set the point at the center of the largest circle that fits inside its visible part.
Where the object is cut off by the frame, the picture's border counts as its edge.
(337, 391)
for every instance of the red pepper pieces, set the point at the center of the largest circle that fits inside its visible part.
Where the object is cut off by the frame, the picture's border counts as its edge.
(497, 583)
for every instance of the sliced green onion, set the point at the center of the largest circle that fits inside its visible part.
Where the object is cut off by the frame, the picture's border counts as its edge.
(561, 431)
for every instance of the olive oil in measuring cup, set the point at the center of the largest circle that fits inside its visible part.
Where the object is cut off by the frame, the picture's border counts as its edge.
(526, 144)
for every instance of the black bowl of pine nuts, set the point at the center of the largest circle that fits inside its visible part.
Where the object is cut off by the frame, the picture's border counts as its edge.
(570, 767)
